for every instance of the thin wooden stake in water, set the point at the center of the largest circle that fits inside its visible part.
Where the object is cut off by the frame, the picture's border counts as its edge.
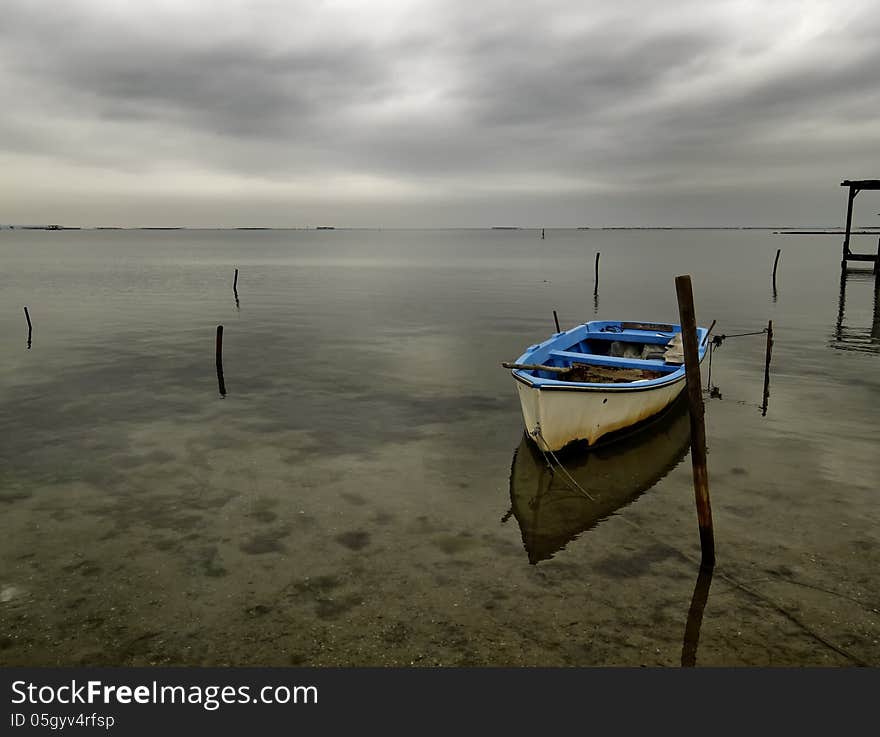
(596, 287)
(688, 319)
(30, 327)
(767, 368)
(556, 320)
(220, 381)
(775, 265)
(542, 234)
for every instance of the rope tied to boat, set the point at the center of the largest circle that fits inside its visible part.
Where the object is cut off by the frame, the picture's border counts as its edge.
(717, 341)
(568, 478)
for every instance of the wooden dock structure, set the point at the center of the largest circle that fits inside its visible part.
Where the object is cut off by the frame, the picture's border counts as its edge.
(856, 186)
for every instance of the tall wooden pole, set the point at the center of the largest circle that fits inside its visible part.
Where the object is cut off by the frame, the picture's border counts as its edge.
(596, 287)
(688, 319)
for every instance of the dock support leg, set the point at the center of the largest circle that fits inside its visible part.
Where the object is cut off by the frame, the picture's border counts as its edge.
(841, 303)
(849, 208)
(875, 325)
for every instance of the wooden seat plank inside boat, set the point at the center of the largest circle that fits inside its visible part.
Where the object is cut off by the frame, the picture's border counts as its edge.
(599, 360)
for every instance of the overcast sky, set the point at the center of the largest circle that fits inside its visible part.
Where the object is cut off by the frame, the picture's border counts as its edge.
(437, 113)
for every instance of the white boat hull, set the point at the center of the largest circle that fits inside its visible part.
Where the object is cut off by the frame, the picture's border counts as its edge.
(556, 417)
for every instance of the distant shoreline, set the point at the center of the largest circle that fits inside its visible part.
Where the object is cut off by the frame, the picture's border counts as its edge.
(825, 232)
(777, 230)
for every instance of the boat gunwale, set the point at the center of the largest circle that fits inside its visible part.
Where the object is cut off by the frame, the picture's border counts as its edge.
(583, 386)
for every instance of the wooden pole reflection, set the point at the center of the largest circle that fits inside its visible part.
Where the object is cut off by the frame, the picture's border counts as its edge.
(695, 618)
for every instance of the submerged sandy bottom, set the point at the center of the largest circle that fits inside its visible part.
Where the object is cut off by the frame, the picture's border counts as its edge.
(213, 549)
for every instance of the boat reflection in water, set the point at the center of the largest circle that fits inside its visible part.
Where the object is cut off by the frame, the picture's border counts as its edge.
(550, 509)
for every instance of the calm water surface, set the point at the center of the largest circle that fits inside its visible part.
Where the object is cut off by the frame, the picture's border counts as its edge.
(361, 495)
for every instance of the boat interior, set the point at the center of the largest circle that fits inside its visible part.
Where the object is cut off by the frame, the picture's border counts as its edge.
(609, 353)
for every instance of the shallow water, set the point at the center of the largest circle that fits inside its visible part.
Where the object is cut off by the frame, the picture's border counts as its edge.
(349, 501)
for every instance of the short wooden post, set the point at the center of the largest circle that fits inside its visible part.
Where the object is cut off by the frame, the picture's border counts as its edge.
(775, 264)
(542, 234)
(767, 368)
(30, 326)
(235, 283)
(688, 319)
(596, 287)
(219, 357)
(556, 320)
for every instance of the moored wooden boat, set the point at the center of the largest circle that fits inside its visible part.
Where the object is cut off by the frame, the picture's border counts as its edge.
(552, 511)
(595, 378)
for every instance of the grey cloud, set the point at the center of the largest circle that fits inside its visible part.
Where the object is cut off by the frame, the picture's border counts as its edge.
(467, 94)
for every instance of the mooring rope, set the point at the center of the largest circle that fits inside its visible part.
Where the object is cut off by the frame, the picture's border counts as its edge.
(571, 482)
(733, 581)
(536, 433)
(718, 339)
(718, 571)
(717, 342)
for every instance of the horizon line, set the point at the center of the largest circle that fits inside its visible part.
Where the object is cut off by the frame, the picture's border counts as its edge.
(53, 226)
